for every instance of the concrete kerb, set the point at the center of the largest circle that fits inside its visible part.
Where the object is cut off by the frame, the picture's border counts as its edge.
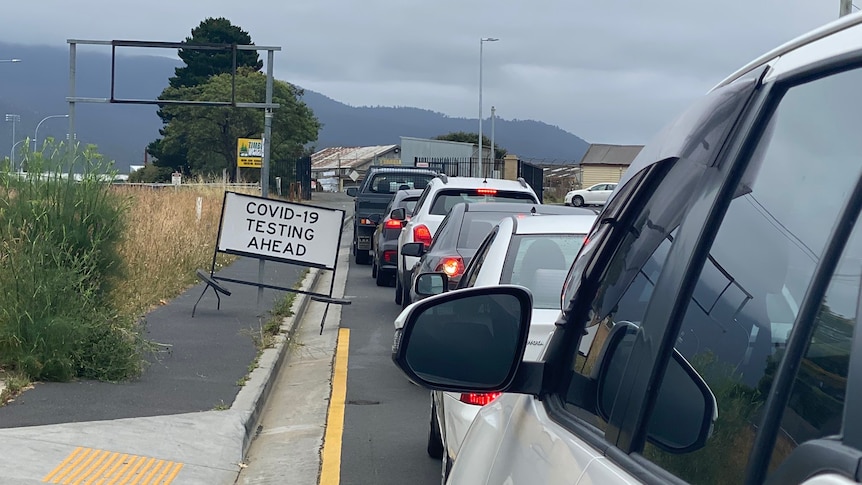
(252, 397)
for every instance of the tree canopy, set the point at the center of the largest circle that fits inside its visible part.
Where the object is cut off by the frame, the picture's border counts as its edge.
(465, 137)
(202, 140)
(209, 134)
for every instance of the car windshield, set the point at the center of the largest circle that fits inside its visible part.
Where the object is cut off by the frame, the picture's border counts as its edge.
(540, 262)
(446, 199)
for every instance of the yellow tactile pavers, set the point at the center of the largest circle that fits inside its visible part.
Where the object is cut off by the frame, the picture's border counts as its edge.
(88, 466)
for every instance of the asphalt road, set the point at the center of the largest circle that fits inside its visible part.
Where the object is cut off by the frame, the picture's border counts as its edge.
(386, 417)
(208, 355)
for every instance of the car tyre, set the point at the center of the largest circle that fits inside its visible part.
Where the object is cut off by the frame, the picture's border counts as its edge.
(435, 441)
(405, 297)
(577, 201)
(398, 293)
(381, 278)
(362, 257)
(374, 269)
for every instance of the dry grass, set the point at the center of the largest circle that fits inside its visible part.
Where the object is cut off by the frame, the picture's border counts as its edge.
(165, 243)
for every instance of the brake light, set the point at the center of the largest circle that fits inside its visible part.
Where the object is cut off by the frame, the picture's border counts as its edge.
(366, 221)
(392, 224)
(479, 398)
(422, 234)
(486, 191)
(389, 256)
(451, 266)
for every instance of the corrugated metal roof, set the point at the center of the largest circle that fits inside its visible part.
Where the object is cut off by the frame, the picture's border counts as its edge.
(600, 154)
(347, 157)
(561, 171)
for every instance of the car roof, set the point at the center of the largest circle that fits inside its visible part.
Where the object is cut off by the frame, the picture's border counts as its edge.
(554, 224)
(404, 193)
(516, 207)
(842, 23)
(378, 169)
(478, 182)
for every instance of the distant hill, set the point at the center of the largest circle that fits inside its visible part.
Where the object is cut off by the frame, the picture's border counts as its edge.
(38, 86)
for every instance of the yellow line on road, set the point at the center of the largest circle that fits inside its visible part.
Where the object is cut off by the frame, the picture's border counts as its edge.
(86, 465)
(330, 473)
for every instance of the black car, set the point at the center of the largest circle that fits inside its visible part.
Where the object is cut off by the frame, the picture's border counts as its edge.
(461, 232)
(384, 241)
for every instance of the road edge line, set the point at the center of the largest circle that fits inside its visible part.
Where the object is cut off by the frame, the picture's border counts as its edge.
(330, 456)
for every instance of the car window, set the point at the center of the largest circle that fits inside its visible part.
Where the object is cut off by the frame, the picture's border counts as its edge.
(446, 199)
(472, 270)
(540, 262)
(390, 183)
(475, 226)
(759, 267)
(409, 204)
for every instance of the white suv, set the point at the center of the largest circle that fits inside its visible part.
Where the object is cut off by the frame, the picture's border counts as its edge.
(724, 307)
(440, 195)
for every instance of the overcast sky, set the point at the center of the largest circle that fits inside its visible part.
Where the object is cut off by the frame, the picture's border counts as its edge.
(609, 72)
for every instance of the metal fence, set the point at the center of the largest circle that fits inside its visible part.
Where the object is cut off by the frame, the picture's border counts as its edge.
(291, 178)
(463, 167)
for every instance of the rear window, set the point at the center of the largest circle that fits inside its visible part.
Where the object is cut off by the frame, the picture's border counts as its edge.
(541, 262)
(446, 199)
(389, 183)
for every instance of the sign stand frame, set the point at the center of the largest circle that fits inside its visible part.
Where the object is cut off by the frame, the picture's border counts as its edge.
(212, 280)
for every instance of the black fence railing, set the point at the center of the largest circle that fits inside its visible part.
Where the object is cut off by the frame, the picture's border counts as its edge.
(462, 167)
(291, 178)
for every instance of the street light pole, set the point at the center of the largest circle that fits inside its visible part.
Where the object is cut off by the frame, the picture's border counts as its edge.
(36, 135)
(10, 60)
(493, 146)
(14, 119)
(12, 156)
(481, 44)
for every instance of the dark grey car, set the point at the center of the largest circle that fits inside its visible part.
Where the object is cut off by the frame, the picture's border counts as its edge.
(384, 241)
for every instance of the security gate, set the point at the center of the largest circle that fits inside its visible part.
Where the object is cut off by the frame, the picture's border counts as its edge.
(535, 177)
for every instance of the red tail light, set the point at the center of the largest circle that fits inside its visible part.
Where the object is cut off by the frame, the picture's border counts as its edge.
(487, 191)
(392, 224)
(479, 399)
(451, 266)
(389, 256)
(422, 234)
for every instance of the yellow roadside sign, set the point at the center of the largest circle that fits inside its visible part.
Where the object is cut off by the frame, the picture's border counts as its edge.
(249, 152)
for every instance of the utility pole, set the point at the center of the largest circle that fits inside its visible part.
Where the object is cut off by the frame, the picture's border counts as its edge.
(846, 7)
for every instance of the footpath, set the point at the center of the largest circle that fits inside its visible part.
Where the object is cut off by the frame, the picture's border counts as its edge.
(193, 415)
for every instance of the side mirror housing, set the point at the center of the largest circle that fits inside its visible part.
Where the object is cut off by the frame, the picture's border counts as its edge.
(399, 214)
(413, 249)
(352, 191)
(685, 408)
(428, 284)
(467, 340)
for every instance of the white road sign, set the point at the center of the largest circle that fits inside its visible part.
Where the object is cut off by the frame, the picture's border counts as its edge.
(281, 231)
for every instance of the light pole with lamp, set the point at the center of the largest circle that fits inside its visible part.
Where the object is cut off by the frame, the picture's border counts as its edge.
(12, 156)
(10, 60)
(493, 145)
(15, 119)
(481, 44)
(36, 135)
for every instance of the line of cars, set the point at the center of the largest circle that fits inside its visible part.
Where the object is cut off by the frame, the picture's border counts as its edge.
(464, 232)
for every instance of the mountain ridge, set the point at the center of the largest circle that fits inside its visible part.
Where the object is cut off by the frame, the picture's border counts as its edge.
(38, 86)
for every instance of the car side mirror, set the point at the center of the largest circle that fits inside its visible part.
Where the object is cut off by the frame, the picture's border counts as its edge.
(399, 214)
(352, 191)
(413, 249)
(685, 407)
(428, 284)
(467, 340)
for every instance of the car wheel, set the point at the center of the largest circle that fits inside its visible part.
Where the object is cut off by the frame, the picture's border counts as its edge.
(374, 268)
(381, 278)
(577, 201)
(435, 442)
(398, 293)
(405, 297)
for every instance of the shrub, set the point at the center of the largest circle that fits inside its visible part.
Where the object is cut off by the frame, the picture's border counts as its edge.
(59, 262)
